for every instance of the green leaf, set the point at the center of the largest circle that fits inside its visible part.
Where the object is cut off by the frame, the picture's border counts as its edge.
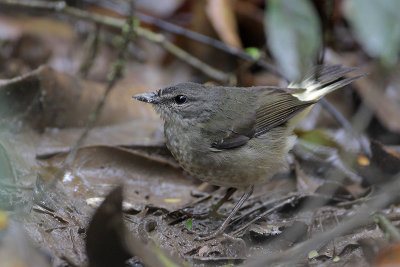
(126, 28)
(254, 52)
(377, 27)
(317, 137)
(189, 223)
(136, 22)
(294, 35)
(313, 254)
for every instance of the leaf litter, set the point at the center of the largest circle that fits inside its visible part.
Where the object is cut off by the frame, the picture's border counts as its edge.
(79, 220)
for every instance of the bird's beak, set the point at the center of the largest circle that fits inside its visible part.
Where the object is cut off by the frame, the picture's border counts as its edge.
(148, 98)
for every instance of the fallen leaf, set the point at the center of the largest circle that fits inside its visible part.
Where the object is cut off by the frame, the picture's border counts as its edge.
(222, 17)
(389, 256)
(383, 165)
(147, 181)
(363, 160)
(34, 25)
(172, 200)
(313, 254)
(143, 136)
(383, 159)
(342, 242)
(105, 244)
(386, 108)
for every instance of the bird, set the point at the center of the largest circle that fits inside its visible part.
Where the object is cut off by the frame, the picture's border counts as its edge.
(238, 137)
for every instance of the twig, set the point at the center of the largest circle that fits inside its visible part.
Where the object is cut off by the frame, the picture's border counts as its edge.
(51, 213)
(209, 41)
(115, 74)
(185, 56)
(386, 195)
(285, 201)
(336, 114)
(56, 5)
(364, 144)
(388, 227)
(92, 47)
(162, 24)
(210, 71)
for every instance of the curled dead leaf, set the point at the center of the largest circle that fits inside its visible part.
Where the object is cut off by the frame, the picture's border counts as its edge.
(222, 17)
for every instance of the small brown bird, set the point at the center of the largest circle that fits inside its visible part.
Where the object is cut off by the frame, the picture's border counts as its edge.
(238, 136)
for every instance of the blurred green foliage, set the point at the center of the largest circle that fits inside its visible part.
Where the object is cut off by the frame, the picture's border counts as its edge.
(376, 25)
(293, 34)
(293, 31)
(254, 52)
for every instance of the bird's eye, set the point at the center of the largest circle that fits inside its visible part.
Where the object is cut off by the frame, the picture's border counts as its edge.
(180, 99)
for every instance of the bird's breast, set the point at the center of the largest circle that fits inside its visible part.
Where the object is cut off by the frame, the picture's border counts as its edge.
(185, 142)
(252, 163)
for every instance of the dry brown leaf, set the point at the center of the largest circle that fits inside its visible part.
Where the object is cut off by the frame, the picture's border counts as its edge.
(338, 246)
(147, 182)
(386, 108)
(222, 17)
(383, 167)
(389, 256)
(136, 132)
(106, 233)
(18, 25)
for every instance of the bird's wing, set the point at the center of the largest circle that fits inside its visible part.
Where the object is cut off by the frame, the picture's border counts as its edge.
(279, 107)
(272, 108)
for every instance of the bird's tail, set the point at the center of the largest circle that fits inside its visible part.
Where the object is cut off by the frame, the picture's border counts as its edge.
(320, 81)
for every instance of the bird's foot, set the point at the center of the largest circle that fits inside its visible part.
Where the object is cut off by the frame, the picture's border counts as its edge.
(224, 225)
(208, 236)
(213, 210)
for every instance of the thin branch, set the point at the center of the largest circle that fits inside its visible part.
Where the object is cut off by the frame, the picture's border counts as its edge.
(56, 5)
(210, 41)
(388, 227)
(91, 50)
(210, 71)
(185, 56)
(115, 74)
(363, 141)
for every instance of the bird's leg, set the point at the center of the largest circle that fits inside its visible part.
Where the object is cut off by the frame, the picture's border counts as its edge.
(223, 226)
(214, 208)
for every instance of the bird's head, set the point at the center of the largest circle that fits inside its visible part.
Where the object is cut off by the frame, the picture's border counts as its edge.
(190, 102)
